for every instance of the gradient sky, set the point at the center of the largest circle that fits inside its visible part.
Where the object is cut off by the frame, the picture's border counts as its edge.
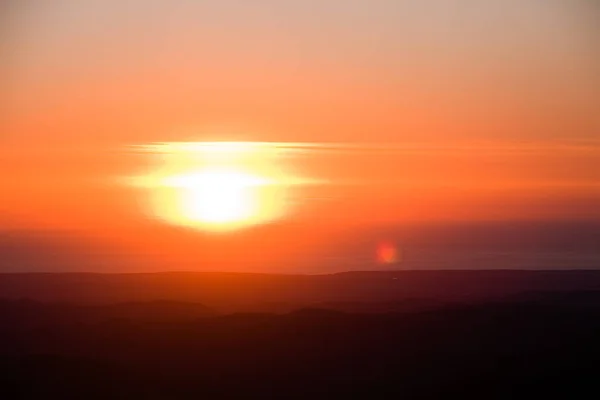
(132, 71)
(485, 109)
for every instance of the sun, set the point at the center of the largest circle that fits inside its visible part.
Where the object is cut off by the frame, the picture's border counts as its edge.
(220, 197)
(217, 185)
(216, 198)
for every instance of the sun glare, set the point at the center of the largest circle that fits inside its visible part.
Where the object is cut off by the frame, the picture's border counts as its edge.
(217, 186)
(215, 198)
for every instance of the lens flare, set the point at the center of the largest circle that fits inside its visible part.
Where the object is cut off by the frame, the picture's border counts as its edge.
(387, 253)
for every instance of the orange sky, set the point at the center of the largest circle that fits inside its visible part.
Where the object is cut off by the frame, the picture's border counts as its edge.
(415, 112)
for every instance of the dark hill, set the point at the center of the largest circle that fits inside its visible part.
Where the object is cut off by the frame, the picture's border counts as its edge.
(229, 292)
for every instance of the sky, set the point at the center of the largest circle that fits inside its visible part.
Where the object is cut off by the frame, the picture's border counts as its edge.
(130, 71)
(376, 112)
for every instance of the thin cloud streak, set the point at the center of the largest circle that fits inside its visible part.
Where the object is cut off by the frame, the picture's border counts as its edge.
(411, 147)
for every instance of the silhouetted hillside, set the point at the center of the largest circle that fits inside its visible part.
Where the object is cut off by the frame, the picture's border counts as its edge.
(414, 335)
(33, 312)
(514, 349)
(229, 292)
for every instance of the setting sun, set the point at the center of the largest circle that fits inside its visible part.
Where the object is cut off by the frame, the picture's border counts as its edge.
(216, 197)
(217, 185)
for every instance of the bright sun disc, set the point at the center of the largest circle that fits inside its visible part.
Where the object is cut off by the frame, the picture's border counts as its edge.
(217, 199)
(217, 185)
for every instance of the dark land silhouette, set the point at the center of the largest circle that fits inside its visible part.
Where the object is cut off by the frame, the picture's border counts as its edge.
(411, 334)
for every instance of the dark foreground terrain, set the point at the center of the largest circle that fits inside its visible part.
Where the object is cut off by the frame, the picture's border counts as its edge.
(518, 344)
